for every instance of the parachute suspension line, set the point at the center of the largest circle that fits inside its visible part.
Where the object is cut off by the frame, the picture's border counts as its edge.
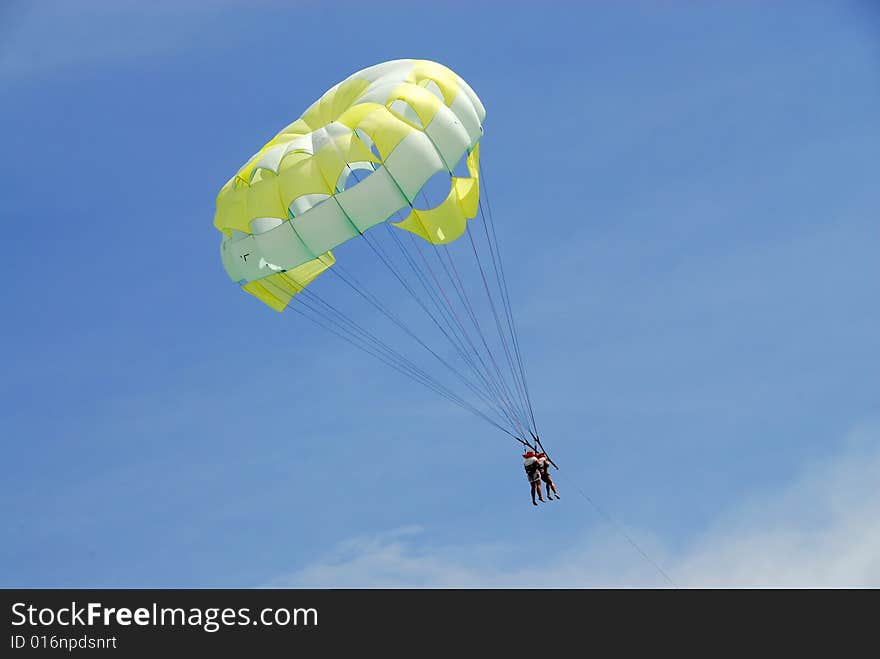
(355, 339)
(462, 295)
(352, 283)
(498, 325)
(499, 272)
(450, 318)
(517, 373)
(347, 324)
(514, 341)
(377, 249)
(503, 284)
(509, 398)
(501, 387)
(499, 391)
(442, 311)
(412, 372)
(501, 400)
(371, 298)
(499, 380)
(461, 292)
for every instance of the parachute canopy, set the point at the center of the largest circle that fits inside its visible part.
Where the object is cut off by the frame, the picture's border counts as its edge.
(356, 159)
(297, 198)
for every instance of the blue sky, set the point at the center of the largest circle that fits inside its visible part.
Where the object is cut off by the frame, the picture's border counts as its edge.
(688, 207)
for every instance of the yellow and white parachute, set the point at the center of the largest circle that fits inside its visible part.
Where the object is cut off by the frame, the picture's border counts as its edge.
(292, 202)
(357, 159)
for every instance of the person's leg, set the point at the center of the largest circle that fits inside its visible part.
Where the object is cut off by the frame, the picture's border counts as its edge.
(551, 484)
(532, 485)
(538, 487)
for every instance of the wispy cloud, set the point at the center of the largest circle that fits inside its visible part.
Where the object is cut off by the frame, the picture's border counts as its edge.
(822, 530)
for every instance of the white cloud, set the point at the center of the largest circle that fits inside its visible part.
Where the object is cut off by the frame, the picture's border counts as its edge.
(821, 530)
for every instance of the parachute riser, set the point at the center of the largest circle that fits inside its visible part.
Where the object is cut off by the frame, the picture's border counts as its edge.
(543, 450)
(526, 444)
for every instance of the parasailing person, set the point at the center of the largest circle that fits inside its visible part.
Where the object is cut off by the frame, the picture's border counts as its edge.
(354, 170)
(533, 474)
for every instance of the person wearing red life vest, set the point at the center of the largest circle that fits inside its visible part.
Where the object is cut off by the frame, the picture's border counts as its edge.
(544, 470)
(533, 474)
